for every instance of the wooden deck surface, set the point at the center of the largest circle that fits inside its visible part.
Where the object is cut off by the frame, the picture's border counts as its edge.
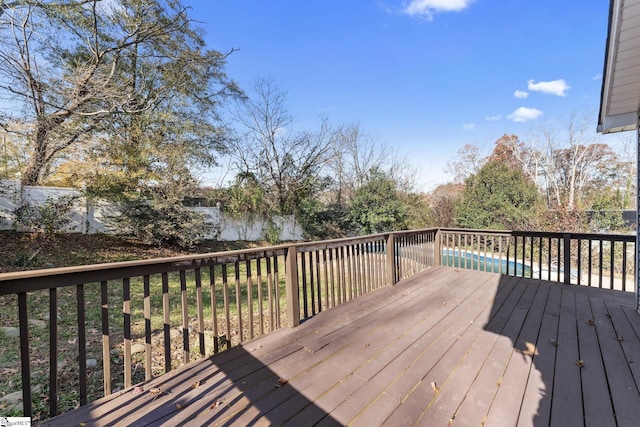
(446, 347)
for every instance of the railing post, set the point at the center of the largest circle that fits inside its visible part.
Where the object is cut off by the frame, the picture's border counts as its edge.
(566, 240)
(292, 290)
(437, 249)
(391, 260)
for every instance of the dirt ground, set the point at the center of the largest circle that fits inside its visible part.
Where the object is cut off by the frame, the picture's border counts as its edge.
(26, 251)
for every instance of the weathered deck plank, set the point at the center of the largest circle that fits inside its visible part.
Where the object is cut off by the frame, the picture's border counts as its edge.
(445, 347)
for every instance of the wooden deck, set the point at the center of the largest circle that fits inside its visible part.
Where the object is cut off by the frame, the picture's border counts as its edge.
(446, 347)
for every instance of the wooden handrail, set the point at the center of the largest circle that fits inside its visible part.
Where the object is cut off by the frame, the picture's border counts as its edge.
(244, 293)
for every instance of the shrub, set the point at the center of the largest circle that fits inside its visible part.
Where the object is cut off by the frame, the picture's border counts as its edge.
(161, 220)
(54, 215)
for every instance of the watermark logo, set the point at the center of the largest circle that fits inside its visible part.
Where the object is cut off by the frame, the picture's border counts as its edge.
(15, 421)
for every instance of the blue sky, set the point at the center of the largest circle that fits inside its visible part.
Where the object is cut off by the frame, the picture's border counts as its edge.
(423, 76)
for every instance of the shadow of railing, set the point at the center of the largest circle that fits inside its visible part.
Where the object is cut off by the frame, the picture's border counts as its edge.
(232, 388)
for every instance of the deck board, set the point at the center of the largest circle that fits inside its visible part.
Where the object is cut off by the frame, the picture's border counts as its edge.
(445, 347)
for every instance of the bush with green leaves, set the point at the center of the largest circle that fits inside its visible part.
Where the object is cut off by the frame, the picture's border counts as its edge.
(375, 207)
(51, 217)
(161, 219)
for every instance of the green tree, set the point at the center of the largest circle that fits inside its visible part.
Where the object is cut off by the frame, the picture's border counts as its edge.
(132, 72)
(376, 207)
(498, 197)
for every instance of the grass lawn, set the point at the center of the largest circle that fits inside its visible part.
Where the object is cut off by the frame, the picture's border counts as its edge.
(20, 251)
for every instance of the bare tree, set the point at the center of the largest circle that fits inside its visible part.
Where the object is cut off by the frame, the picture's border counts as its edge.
(468, 162)
(354, 154)
(570, 161)
(287, 163)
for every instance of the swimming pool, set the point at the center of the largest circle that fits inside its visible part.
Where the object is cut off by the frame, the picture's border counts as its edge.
(475, 261)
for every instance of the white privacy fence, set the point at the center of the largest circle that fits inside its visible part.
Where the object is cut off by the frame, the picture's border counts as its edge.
(90, 216)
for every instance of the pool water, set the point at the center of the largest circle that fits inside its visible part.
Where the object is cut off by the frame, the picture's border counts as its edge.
(463, 259)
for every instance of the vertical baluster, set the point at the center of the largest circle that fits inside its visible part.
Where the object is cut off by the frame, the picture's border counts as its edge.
(126, 311)
(277, 290)
(147, 327)
(549, 258)
(225, 296)
(303, 268)
(600, 263)
(325, 271)
(260, 293)
(337, 276)
(249, 298)
(53, 352)
(312, 283)
(25, 359)
(624, 265)
(214, 305)
(270, 292)
(540, 248)
(349, 252)
(82, 343)
(579, 266)
(318, 279)
(185, 317)
(200, 310)
(239, 300)
(612, 264)
(558, 259)
(166, 307)
(106, 356)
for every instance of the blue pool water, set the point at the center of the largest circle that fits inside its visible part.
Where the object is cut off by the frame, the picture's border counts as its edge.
(473, 261)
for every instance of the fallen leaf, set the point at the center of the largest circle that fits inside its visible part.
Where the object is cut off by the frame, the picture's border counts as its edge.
(156, 392)
(137, 390)
(531, 350)
(195, 385)
(553, 342)
(580, 363)
(620, 338)
(435, 387)
(590, 322)
(217, 403)
(179, 406)
(281, 382)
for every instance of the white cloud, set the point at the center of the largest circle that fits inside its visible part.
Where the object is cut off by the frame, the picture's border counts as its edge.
(555, 87)
(493, 118)
(469, 126)
(520, 94)
(597, 76)
(523, 114)
(426, 8)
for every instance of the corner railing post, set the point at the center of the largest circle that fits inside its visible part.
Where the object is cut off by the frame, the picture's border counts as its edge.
(437, 249)
(566, 238)
(391, 260)
(292, 289)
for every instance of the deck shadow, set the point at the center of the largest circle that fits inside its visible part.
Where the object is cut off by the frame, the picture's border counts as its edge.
(231, 388)
(565, 355)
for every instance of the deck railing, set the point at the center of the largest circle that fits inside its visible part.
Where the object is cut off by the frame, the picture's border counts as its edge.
(597, 260)
(136, 320)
